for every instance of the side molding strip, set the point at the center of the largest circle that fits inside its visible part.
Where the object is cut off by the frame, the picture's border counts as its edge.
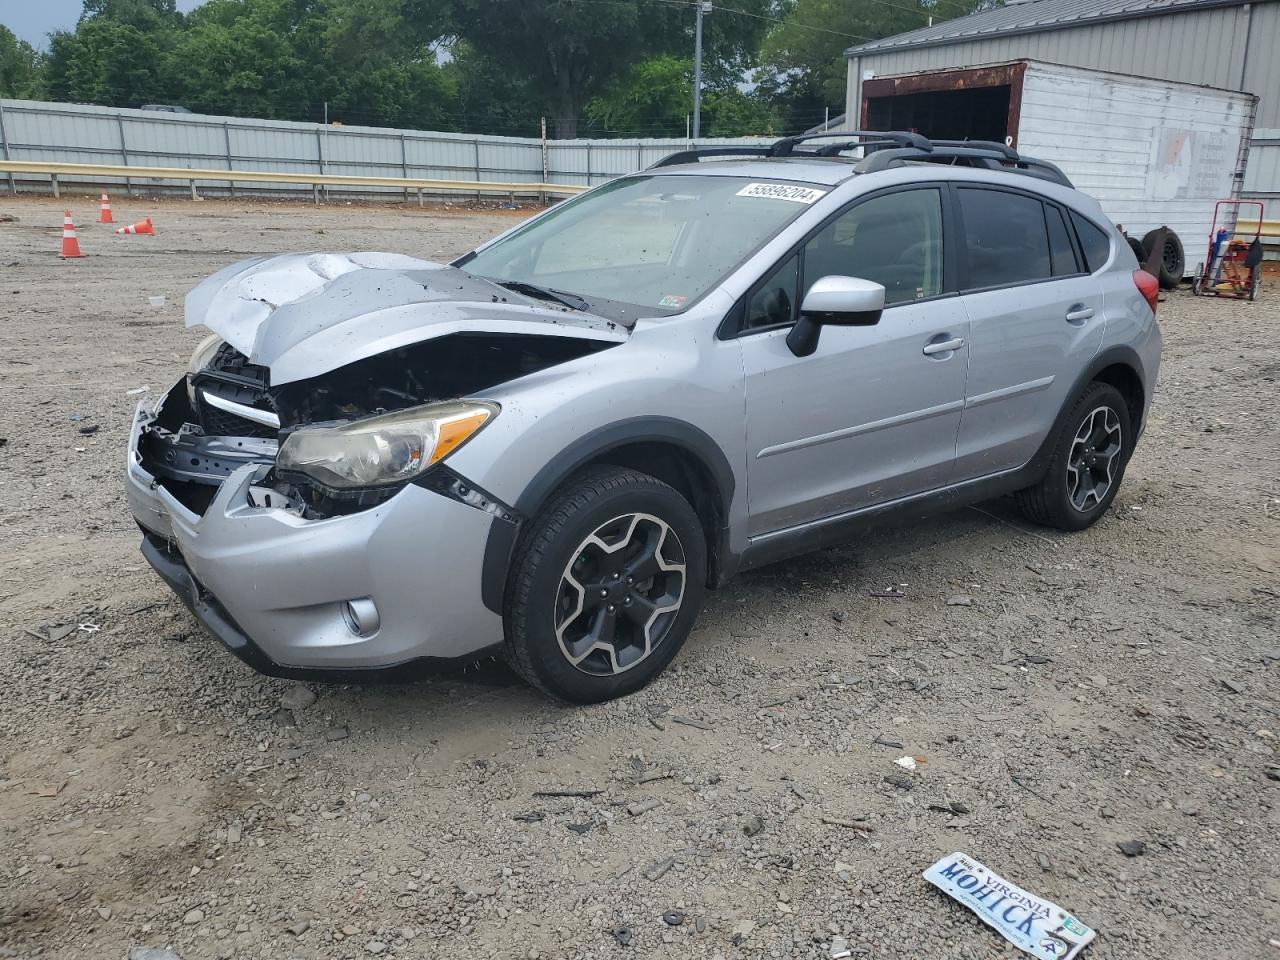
(861, 428)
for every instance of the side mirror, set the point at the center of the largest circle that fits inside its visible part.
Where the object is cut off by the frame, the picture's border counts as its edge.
(841, 301)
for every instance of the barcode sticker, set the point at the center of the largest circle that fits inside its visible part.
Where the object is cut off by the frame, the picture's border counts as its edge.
(782, 191)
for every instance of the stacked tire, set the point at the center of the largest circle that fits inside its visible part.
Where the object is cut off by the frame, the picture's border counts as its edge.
(1172, 262)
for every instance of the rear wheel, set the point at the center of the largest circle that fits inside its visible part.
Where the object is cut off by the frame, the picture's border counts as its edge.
(1089, 456)
(606, 586)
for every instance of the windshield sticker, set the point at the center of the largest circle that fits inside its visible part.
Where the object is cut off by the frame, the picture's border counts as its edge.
(782, 191)
(673, 300)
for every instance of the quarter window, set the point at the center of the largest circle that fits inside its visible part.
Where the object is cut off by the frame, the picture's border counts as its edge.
(774, 302)
(1005, 238)
(894, 240)
(1096, 244)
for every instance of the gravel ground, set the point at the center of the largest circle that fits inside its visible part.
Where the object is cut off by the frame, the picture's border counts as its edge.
(1068, 693)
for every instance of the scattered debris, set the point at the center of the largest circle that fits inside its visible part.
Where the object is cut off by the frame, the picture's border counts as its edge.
(691, 722)
(533, 816)
(152, 953)
(857, 823)
(960, 601)
(643, 806)
(88, 428)
(906, 763)
(580, 828)
(1230, 686)
(1273, 773)
(659, 869)
(954, 806)
(622, 935)
(900, 781)
(337, 733)
(1132, 848)
(1034, 925)
(752, 825)
(673, 918)
(299, 928)
(136, 391)
(577, 794)
(883, 741)
(297, 698)
(890, 593)
(1017, 782)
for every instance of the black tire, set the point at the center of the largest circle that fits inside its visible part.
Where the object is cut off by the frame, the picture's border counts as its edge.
(1050, 502)
(1173, 262)
(1136, 247)
(541, 581)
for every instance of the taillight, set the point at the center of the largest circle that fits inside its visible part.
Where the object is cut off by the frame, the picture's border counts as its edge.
(1148, 286)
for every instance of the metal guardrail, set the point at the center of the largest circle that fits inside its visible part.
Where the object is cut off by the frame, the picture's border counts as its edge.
(93, 171)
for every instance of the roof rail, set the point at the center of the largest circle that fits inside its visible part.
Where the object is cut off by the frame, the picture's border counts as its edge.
(893, 147)
(1003, 148)
(695, 154)
(849, 139)
(988, 156)
(855, 138)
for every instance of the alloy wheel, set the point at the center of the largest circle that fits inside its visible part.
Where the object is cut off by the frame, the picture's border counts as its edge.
(1094, 458)
(619, 594)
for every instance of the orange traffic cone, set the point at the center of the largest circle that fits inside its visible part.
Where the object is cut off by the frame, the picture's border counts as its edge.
(104, 216)
(143, 227)
(70, 245)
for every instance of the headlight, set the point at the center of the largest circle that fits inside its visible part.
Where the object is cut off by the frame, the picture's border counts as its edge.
(386, 449)
(203, 353)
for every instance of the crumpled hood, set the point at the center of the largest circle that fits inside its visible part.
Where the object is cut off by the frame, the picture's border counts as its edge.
(304, 314)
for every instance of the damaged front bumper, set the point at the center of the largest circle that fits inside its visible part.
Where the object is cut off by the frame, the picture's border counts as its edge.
(390, 587)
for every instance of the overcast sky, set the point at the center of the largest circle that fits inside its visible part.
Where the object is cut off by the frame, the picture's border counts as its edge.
(32, 21)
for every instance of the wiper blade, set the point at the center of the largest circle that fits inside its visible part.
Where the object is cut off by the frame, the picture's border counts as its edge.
(570, 300)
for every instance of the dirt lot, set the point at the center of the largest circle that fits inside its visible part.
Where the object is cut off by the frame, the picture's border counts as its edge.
(1068, 693)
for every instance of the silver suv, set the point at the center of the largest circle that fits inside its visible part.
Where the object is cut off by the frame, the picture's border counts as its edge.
(551, 447)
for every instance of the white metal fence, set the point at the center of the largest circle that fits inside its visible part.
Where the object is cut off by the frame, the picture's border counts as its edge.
(74, 133)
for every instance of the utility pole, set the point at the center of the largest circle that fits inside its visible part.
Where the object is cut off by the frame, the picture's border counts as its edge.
(703, 6)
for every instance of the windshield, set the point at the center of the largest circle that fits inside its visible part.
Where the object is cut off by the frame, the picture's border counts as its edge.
(654, 243)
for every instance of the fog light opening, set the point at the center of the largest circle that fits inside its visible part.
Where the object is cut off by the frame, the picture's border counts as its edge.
(361, 616)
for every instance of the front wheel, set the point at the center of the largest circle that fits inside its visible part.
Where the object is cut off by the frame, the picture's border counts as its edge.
(605, 587)
(1089, 456)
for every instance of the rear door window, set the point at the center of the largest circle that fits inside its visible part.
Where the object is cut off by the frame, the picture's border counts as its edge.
(1061, 251)
(1005, 238)
(1094, 241)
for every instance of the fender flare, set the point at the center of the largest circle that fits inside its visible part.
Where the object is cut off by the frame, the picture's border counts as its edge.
(1120, 354)
(501, 543)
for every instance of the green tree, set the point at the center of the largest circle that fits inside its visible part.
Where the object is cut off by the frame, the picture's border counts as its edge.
(20, 67)
(115, 55)
(568, 50)
(106, 62)
(654, 98)
(491, 99)
(651, 100)
(249, 58)
(803, 57)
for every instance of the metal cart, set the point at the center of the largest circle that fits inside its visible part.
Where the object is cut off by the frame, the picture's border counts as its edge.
(1233, 265)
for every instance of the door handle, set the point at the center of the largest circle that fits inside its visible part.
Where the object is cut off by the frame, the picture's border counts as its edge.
(942, 346)
(1079, 313)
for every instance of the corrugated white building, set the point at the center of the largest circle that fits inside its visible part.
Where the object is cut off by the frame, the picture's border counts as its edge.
(1229, 44)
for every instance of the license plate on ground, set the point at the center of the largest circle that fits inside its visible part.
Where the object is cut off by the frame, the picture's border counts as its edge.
(1030, 923)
